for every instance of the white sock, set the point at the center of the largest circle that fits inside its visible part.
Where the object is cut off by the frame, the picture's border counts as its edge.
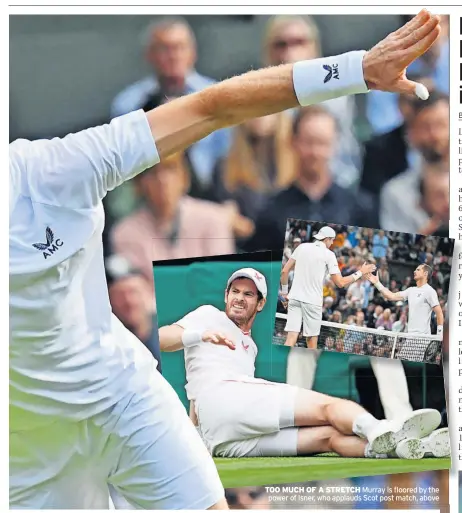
(368, 453)
(363, 424)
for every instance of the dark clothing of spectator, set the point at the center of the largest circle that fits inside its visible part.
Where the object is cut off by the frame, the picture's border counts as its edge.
(385, 157)
(338, 205)
(153, 344)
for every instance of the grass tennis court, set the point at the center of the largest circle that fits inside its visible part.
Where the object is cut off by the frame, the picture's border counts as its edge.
(235, 472)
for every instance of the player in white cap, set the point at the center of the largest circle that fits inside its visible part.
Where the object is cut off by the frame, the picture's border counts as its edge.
(311, 262)
(239, 415)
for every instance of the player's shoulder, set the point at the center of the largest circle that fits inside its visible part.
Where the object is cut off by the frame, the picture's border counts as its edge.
(206, 310)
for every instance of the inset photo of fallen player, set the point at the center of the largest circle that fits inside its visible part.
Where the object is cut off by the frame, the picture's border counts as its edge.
(216, 317)
(363, 291)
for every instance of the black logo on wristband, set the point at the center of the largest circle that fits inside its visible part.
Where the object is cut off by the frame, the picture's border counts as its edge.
(332, 72)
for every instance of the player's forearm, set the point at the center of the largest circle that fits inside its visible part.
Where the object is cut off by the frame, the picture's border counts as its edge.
(386, 293)
(170, 338)
(284, 281)
(184, 121)
(440, 318)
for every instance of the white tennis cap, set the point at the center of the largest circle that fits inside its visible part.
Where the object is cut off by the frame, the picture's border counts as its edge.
(252, 274)
(326, 232)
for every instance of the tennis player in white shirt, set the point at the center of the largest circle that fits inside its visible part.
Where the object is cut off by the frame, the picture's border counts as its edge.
(239, 415)
(422, 300)
(311, 262)
(87, 407)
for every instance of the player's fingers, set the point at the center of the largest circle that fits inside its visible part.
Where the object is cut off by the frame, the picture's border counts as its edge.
(413, 24)
(405, 86)
(405, 57)
(214, 339)
(420, 34)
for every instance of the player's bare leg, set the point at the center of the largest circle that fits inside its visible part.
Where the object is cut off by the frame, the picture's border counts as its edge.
(292, 337)
(347, 417)
(312, 342)
(327, 439)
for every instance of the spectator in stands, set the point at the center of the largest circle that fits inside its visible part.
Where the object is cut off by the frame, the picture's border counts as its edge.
(314, 195)
(425, 209)
(171, 224)
(130, 294)
(330, 290)
(383, 111)
(384, 321)
(170, 51)
(293, 38)
(327, 307)
(362, 250)
(380, 245)
(259, 163)
(355, 295)
(378, 310)
(424, 134)
(401, 324)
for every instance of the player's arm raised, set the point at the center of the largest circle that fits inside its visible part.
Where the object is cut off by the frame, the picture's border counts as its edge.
(386, 293)
(178, 124)
(174, 338)
(344, 281)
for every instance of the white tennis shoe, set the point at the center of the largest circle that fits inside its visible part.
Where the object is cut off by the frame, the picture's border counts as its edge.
(434, 445)
(385, 438)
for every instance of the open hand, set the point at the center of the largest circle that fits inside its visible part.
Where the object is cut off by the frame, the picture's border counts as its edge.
(385, 64)
(215, 337)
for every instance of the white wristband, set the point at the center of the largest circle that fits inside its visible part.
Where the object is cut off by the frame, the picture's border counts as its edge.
(357, 275)
(379, 286)
(439, 330)
(285, 288)
(318, 80)
(191, 338)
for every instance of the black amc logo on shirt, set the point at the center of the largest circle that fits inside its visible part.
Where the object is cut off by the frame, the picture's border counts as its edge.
(50, 246)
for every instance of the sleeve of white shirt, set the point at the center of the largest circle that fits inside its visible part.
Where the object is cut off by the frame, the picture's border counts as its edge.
(78, 170)
(405, 293)
(332, 264)
(197, 320)
(432, 298)
(295, 253)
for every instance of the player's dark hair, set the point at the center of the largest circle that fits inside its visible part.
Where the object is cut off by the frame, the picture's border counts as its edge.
(259, 294)
(427, 269)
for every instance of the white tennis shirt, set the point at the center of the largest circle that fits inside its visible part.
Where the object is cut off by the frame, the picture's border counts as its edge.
(69, 355)
(313, 261)
(208, 363)
(421, 301)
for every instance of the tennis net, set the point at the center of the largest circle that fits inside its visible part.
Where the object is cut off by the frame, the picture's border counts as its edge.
(368, 341)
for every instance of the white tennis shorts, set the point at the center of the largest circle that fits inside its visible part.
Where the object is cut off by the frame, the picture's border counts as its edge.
(145, 448)
(306, 313)
(248, 418)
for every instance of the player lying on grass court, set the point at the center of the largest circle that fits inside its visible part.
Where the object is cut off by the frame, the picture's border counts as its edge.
(311, 262)
(239, 415)
(87, 407)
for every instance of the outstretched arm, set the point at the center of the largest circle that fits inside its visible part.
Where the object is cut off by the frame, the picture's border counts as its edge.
(174, 338)
(178, 124)
(344, 281)
(386, 293)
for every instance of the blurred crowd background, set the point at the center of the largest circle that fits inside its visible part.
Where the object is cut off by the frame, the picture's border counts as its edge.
(376, 160)
(396, 255)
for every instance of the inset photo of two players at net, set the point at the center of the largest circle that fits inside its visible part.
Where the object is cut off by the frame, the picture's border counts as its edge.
(363, 291)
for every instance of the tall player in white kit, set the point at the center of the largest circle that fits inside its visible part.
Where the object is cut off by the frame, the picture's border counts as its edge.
(239, 415)
(311, 262)
(87, 407)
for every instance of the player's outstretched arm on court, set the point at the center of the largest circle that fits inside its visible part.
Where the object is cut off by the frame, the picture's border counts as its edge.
(386, 293)
(181, 122)
(174, 338)
(344, 281)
